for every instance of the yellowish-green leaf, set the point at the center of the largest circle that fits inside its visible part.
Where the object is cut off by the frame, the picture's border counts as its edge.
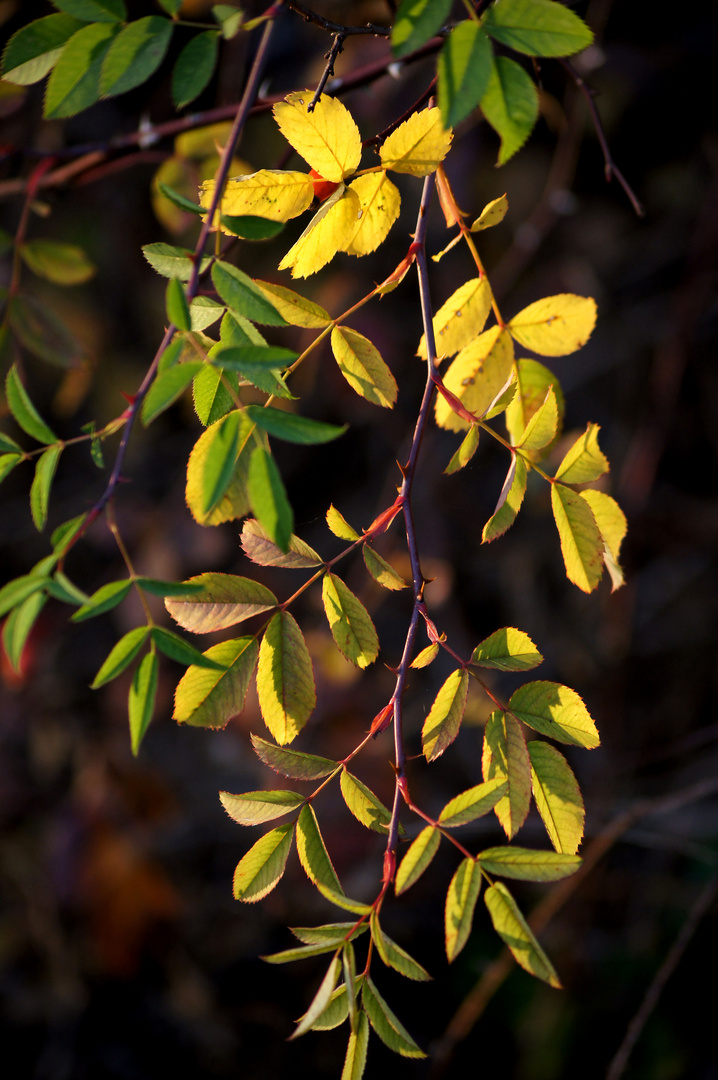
(418, 146)
(350, 623)
(533, 381)
(418, 856)
(543, 425)
(493, 214)
(332, 934)
(461, 318)
(556, 711)
(557, 796)
(612, 525)
(209, 698)
(363, 368)
(383, 573)
(292, 763)
(269, 193)
(63, 264)
(527, 864)
(394, 956)
(505, 757)
(234, 503)
(467, 449)
(224, 600)
(330, 230)
(461, 898)
(444, 720)
(476, 377)
(355, 1060)
(141, 699)
(510, 500)
(18, 626)
(380, 203)
(515, 932)
(264, 552)
(508, 649)
(41, 485)
(264, 864)
(340, 526)
(327, 137)
(256, 807)
(387, 1026)
(581, 541)
(426, 656)
(313, 854)
(363, 803)
(556, 325)
(510, 104)
(472, 804)
(320, 1000)
(296, 310)
(285, 680)
(584, 461)
(121, 655)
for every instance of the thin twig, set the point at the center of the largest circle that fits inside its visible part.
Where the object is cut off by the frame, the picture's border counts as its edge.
(337, 46)
(337, 28)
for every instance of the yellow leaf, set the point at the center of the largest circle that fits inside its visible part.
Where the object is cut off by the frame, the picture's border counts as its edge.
(285, 680)
(461, 318)
(330, 230)
(556, 325)
(585, 461)
(294, 309)
(363, 368)
(533, 382)
(380, 202)
(269, 193)
(492, 214)
(612, 525)
(477, 375)
(581, 541)
(327, 138)
(418, 146)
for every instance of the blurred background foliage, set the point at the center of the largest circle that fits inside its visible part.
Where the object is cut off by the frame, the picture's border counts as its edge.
(122, 953)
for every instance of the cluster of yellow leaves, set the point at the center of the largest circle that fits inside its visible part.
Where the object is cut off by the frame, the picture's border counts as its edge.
(358, 215)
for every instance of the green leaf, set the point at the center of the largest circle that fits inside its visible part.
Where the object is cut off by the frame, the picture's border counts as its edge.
(350, 623)
(292, 763)
(331, 934)
(241, 295)
(264, 864)
(510, 105)
(584, 461)
(63, 264)
(466, 451)
(285, 680)
(464, 68)
(24, 411)
(212, 399)
(537, 27)
(293, 428)
(41, 484)
(168, 386)
(303, 952)
(17, 591)
(472, 804)
(581, 541)
(507, 650)
(383, 572)
(74, 83)
(557, 796)
(137, 52)
(387, 1026)
(35, 49)
(292, 306)
(355, 1060)
(104, 599)
(251, 227)
(179, 200)
(394, 956)
(268, 498)
(171, 6)
(259, 365)
(235, 330)
(313, 854)
(256, 807)
(177, 306)
(320, 1000)
(63, 536)
(171, 261)
(556, 711)
(179, 650)
(510, 500)
(210, 698)
(340, 526)
(416, 21)
(121, 656)
(194, 67)
(38, 328)
(444, 720)
(526, 864)
(505, 757)
(258, 547)
(363, 803)
(361, 364)
(18, 626)
(461, 898)
(417, 858)
(223, 446)
(8, 463)
(65, 590)
(204, 311)
(141, 701)
(211, 469)
(515, 932)
(215, 601)
(229, 19)
(94, 10)
(8, 445)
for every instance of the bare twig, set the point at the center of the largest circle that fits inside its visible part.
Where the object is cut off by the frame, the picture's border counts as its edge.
(337, 46)
(337, 28)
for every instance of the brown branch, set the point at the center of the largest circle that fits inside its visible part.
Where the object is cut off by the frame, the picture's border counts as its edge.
(337, 28)
(337, 46)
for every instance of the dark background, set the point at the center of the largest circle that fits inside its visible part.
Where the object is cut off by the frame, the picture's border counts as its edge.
(123, 955)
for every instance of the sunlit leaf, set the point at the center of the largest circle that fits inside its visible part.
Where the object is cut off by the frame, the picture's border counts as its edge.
(270, 193)
(464, 68)
(313, 854)
(350, 623)
(543, 425)
(461, 898)
(444, 720)
(556, 325)
(510, 104)
(510, 500)
(218, 466)
(121, 655)
(557, 796)
(493, 214)
(581, 541)
(505, 757)
(387, 1026)
(417, 858)
(171, 261)
(418, 146)
(461, 318)
(285, 680)
(210, 698)
(264, 864)
(612, 525)
(330, 230)
(363, 368)
(556, 711)
(584, 461)
(472, 804)
(18, 590)
(477, 375)
(508, 650)
(515, 932)
(363, 803)
(461, 458)
(18, 627)
(292, 763)
(379, 202)
(327, 137)
(426, 656)
(383, 573)
(296, 310)
(537, 27)
(526, 864)
(355, 1059)
(394, 956)
(320, 1000)
(416, 21)
(256, 807)
(258, 547)
(340, 526)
